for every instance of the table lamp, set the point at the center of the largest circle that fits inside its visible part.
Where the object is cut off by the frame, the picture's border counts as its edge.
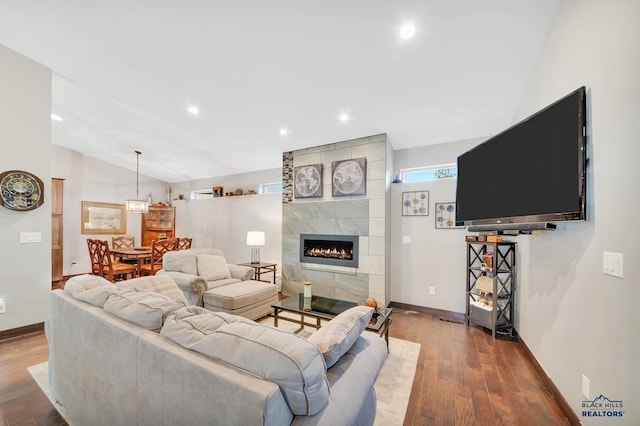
(255, 239)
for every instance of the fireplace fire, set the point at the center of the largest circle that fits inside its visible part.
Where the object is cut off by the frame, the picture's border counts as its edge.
(338, 250)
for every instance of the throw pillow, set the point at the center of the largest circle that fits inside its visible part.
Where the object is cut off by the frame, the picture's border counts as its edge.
(188, 326)
(146, 309)
(82, 283)
(98, 296)
(212, 267)
(276, 355)
(336, 337)
(161, 284)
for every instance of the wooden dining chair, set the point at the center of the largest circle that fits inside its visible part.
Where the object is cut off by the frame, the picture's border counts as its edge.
(184, 243)
(124, 242)
(94, 257)
(110, 269)
(158, 249)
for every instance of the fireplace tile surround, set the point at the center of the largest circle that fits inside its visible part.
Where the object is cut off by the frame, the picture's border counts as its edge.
(364, 216)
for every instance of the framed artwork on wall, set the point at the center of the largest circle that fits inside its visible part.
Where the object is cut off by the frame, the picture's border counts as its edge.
(307, 181)
(349, 177)
(446, 216)
(103, 218)
(415, 203)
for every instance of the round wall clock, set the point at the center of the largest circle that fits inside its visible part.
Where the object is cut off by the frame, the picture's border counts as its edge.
(21, 190)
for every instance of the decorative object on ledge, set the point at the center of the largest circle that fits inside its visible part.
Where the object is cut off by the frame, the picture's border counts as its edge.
(307, 181)
(446, 216)
(349, 177)
(255, 239)
(21, 190)
(103, 218)
(415, 203)
(137, 205)
(217, 191)
(239, 191)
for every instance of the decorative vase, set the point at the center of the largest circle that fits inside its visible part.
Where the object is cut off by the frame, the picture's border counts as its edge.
(307, 289)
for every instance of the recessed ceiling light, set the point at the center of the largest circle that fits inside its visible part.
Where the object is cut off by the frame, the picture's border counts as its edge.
(284, 132)
(344, 117)
(193, 110)
(407, 31)
(55, 117)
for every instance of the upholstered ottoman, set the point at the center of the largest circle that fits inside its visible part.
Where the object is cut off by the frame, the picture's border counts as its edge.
(250, 299)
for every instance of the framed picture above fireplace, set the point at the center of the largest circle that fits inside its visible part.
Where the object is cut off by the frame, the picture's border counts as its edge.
(349, 177)
(307, 181)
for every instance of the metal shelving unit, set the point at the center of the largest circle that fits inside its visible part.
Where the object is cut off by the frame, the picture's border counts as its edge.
(491, 288)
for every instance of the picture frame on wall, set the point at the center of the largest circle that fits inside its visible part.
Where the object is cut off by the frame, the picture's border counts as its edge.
(349, 177)
(307, 181)
(415, 203)
(103, 218)
(445, 215)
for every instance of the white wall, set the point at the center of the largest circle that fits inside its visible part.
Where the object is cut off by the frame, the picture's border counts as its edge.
(435, 257)
(575, 319)
(92, 180)
(223, 223)
(25, 132)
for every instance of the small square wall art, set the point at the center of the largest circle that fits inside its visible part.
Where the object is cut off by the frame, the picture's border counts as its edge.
(446, 216)
(415, 203)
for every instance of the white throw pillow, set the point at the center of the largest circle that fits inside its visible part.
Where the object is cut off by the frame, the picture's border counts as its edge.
(98, 296)
(212, 267)
(145, 309)
(336, 337)
(81, 283)
(276, 355)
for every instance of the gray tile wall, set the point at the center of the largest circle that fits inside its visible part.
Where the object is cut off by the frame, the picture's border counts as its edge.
(363, 215)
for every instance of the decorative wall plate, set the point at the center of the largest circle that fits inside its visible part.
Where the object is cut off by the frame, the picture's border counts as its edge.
(20, 190)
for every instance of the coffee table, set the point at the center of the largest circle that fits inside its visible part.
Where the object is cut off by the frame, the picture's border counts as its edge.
(326, 308)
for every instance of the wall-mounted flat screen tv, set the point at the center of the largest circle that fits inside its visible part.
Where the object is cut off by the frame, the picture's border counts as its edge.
(535, 171)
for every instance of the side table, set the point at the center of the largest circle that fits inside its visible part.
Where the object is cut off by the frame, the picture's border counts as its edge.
(262, 268)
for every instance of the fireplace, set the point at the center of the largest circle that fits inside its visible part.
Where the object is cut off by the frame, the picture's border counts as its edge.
(337, 250)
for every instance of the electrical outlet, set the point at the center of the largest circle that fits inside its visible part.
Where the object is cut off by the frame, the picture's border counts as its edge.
(432, 291)
(3, 307)
(585, 386)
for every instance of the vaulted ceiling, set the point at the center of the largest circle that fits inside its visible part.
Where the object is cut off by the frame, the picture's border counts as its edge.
(125, 72)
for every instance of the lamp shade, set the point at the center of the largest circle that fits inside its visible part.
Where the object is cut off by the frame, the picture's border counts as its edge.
(137, 206)
(255, 238)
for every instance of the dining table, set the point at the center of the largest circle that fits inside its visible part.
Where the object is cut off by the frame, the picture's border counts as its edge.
(137, 253)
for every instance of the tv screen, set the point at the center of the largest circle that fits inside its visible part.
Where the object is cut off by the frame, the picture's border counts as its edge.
(532, 172)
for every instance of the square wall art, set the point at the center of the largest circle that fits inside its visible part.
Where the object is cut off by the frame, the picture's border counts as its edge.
(446, 216)
(307, 181)
(349, 177)
(415, 203)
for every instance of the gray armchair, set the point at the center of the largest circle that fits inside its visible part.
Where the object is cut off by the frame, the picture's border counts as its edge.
(182, 266)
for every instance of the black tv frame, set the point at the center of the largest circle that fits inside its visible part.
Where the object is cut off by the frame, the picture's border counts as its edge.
(528, 223)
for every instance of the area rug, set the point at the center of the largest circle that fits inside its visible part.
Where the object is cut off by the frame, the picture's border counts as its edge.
(393, 386)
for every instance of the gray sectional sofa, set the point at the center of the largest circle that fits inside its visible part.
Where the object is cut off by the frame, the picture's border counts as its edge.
(129, 356)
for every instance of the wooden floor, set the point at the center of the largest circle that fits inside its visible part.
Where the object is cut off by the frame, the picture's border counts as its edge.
(463, 377)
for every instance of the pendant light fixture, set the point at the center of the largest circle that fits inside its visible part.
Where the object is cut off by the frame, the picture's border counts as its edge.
(137, 205)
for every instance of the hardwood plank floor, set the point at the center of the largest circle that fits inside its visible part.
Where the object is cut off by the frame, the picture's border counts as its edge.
(463, 377)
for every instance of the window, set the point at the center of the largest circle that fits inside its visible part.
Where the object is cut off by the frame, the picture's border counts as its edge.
(271, 188)
(201, 194)
(421, 174)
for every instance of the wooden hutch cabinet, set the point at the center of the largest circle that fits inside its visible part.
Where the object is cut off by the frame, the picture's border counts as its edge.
(158, 221)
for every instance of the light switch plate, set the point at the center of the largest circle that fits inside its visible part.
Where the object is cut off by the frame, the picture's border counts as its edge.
(30, 237)
(613, 264)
